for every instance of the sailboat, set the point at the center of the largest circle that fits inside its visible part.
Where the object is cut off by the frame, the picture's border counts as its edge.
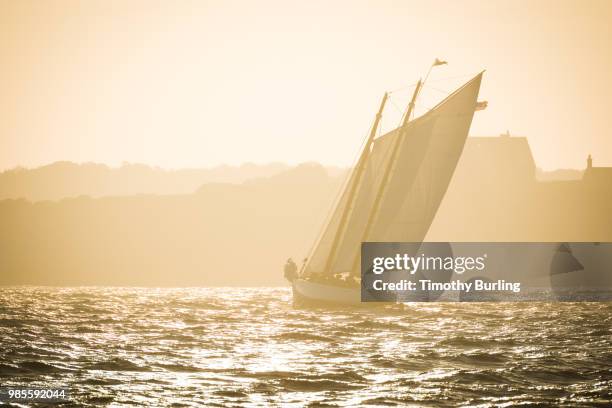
(392, 194)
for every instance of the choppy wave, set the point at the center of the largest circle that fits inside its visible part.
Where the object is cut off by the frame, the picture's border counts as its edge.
(249, 347)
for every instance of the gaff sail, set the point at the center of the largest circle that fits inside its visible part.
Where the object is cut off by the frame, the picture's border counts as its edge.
(429, 148)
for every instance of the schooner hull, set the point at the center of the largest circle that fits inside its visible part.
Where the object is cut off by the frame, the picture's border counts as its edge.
(307, 293)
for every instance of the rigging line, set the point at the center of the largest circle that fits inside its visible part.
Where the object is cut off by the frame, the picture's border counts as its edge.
(406, 87)
(334, 204)
(439, 90)
(442, 91)
(403, 88)
(396, 107)
(327, 219)
(427, 76)
(422, 105)
(401, 119)
(453, 77)
(400, 110)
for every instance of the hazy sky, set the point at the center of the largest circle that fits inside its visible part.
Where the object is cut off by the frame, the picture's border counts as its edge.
(200, 83)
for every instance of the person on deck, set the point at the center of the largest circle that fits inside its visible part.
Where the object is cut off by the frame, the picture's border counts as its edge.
(291, 273)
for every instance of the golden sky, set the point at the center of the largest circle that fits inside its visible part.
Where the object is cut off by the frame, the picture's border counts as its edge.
(201, 83)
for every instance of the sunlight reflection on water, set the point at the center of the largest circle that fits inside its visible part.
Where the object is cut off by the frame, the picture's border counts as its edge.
(249, 347)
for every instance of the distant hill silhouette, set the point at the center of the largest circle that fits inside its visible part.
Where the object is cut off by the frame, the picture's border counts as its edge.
(241, 232)
(66, 179)
(223, 234)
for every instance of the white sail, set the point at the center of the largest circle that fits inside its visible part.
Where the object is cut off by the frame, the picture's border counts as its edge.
(427, 154)
(410, 204)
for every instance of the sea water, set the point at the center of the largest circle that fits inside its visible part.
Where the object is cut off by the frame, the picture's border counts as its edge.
(250, 347)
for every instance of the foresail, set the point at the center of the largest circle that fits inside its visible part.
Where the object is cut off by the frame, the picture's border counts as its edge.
(358, 216)
(319, 256)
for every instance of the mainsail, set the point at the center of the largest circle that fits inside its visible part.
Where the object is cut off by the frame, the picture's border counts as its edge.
(398, 205)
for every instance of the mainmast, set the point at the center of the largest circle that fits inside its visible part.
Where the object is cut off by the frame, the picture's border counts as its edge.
(388, 170)
(354, 186)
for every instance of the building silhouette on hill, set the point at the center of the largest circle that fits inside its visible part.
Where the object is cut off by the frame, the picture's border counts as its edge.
(597, 177)
(496, 196)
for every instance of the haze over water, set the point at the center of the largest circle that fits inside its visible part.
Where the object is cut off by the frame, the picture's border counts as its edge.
(249, 347)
